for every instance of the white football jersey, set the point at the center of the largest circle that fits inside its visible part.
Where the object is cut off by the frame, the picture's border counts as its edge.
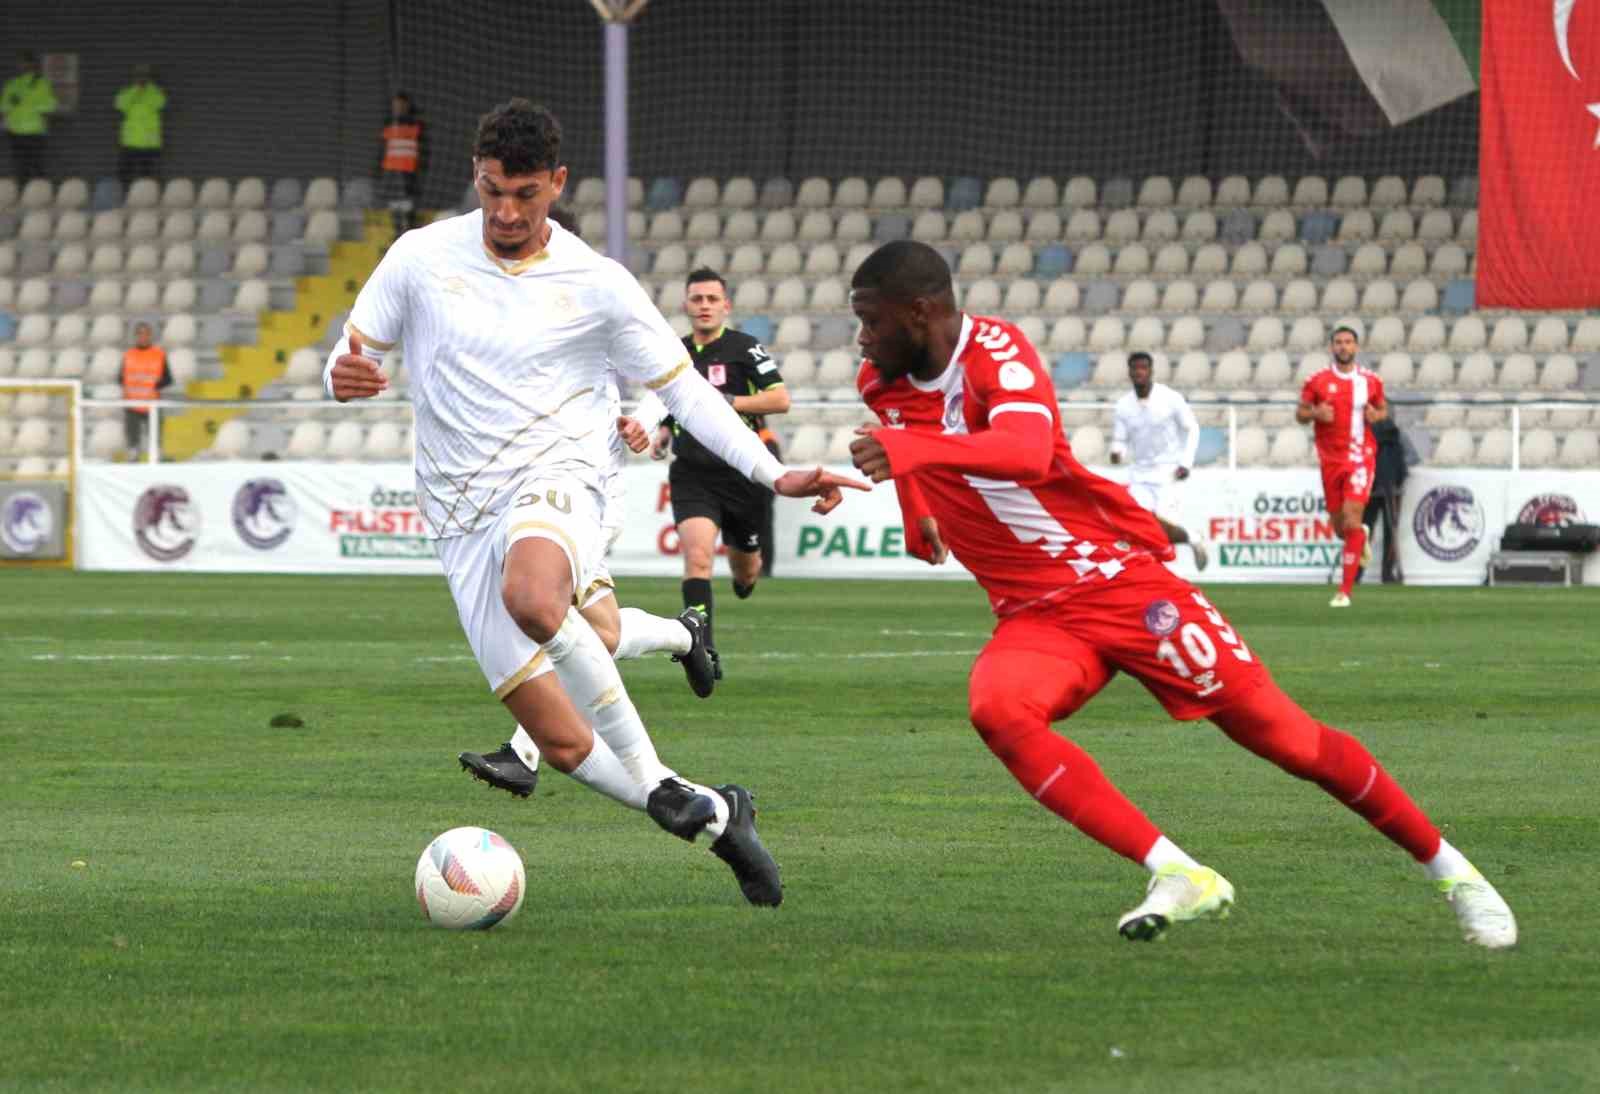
(509, 363)
(1156, 433)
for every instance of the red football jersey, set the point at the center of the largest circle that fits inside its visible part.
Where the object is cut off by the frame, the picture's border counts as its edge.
(1348, 438)
(1024, 542)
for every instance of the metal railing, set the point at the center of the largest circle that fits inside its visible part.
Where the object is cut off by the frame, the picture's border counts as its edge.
(1228, 417)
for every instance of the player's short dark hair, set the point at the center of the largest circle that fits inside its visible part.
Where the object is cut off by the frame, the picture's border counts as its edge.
(1351, 331)
(705, 273)
(1140, 355)
(904, 270)
(525, 138)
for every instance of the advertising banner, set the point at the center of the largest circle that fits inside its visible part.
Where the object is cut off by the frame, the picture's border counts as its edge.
(33, 520)
(272, 517)
(1259, 525)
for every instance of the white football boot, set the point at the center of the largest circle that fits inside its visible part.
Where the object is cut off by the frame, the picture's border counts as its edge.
(1177, 894)
(1484, 915)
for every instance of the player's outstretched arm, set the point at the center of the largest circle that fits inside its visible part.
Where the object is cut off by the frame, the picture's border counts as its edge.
(825, 486)
(1015, 446)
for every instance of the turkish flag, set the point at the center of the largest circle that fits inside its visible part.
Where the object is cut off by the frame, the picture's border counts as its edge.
(1539, 155)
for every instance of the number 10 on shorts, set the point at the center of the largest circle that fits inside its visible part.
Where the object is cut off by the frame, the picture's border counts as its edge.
(1197, 659)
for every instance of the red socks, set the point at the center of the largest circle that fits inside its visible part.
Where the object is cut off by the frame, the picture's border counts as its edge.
(1061, 776)
(1354, 543)
(1273, 726)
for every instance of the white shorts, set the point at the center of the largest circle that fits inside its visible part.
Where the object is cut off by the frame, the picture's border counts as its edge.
(600, 583)
(1159, 496)
(560, 509)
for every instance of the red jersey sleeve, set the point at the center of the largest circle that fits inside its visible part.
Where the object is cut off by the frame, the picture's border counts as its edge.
(1005, 375)
(1308, 391)
(1377, 397)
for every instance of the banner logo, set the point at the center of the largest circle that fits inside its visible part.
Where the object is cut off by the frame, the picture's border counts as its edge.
(166, 524)
(26, 522)
(1551, 511)
(263, 513)
(1448, 523)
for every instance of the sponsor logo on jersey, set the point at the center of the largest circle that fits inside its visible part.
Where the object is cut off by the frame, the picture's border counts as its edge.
(26, 522)
(1448, 523)
(1550, 511)
(1161, 618)
(1016, 376)
(166, 523)
(263, 513)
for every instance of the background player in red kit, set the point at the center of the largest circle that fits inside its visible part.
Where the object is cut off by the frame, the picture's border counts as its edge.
(1342, 401)
(1072, 565)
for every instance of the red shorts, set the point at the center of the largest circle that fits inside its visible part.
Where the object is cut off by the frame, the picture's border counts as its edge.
(1346, 482)
(1146, 622)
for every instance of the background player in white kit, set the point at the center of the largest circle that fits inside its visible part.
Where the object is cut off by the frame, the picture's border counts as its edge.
(511, 325)
(1155, 426)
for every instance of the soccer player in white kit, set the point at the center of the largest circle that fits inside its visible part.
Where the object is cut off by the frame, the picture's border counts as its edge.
(1154, 424)
(510, 325)
(626, 632)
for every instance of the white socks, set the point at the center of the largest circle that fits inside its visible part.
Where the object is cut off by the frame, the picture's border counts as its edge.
(1448, 863)
(642, 633)
(526, 750)
(602, 771)
(590, 678)
(1167, 853)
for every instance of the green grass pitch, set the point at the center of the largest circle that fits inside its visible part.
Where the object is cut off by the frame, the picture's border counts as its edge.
(245, 921)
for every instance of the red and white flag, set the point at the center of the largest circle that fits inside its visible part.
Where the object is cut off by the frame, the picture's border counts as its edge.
(1539, 155)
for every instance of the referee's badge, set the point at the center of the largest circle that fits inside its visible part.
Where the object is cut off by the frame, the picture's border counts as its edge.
(717, 374)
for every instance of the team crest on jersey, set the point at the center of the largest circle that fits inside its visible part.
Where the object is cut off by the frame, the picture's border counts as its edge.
(1161, 618)
(1016, 376)
(893, 414)
(954, 419)
(717, 374)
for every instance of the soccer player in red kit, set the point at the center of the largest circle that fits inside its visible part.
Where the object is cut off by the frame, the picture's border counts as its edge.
(972, 436)
(1342, 401)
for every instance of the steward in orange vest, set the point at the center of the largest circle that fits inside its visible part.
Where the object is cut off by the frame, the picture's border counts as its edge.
(144, 374)
(402, 157)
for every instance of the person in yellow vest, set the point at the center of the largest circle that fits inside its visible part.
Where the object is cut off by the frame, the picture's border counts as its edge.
(144, 374)
(402, 159)
(26, 102)
(139, 140)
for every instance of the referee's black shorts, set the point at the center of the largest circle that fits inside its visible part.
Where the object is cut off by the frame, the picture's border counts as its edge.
(729, 500)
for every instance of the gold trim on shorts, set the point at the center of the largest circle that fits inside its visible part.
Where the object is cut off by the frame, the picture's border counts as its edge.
(589, 590)
(518, 678)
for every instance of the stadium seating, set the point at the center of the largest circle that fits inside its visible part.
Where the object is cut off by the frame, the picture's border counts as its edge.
(1236, 284)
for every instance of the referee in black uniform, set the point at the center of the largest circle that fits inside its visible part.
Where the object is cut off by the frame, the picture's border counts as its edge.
(708, 496)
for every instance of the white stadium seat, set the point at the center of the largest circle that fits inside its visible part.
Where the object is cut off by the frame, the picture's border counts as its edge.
(345, 440)
(852, 193)
(1080, 191)
(1002, 193)
(232, 441)
(1041, 193)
